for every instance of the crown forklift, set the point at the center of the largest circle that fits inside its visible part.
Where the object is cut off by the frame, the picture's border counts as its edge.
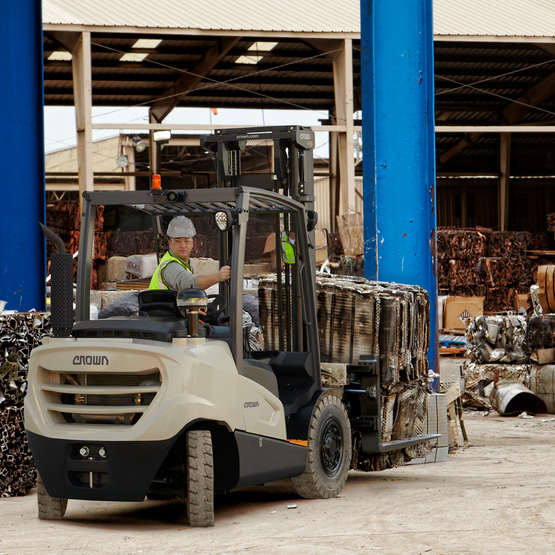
(150, 405)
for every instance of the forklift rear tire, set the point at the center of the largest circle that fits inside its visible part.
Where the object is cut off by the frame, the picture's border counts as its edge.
(50, 508)
(329, 451)
(200, 478)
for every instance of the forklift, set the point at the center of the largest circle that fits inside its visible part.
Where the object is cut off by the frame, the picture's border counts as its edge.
(150, 405)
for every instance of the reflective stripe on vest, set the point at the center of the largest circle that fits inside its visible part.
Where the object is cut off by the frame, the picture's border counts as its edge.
(156, 282)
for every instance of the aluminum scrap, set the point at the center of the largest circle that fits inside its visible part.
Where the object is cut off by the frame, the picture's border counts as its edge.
(19, 334)
(497, 339)
(479, 378)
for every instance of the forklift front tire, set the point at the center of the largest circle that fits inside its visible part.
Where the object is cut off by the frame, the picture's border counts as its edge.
(329, 451)
(200, 478)
(50, 508)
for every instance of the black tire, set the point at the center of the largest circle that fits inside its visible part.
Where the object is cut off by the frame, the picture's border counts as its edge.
(329, 451)
(200, 478)
(50, 508)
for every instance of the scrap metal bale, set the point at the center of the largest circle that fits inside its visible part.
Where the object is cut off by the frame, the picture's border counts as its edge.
(480, 377)
(542, 384)
(497, 339)
(19, 334)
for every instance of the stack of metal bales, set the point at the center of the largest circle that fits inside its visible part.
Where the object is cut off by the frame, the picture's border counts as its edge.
(19, 334)
(540, 344)
(485, 263)
(499, 370)
(360, 317)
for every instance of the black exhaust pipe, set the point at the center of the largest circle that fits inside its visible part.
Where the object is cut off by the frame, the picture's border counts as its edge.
(61, 290)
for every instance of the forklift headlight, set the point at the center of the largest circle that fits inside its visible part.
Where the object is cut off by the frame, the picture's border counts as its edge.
(224, 221)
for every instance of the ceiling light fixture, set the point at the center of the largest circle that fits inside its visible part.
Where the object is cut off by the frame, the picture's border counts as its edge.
(146, 43)
(133, 57)
(59, 56)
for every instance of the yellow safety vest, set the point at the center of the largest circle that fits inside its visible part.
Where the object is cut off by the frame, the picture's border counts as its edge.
(156, 282)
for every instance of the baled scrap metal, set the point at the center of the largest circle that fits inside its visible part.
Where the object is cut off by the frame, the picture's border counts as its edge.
(485, 263)
(497, 339)
(479, 376)
(542, 383)
(19, 333)
(359, 317)
(404, 414)
(462, 243)
(509, 244)
(504, 271)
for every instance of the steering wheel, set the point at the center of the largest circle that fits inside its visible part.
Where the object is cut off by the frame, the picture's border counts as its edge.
(215, 309)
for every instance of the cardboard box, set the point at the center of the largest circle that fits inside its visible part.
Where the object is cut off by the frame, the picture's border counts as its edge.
(458, 309)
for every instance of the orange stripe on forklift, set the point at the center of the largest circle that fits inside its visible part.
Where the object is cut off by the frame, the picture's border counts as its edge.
(302, 442)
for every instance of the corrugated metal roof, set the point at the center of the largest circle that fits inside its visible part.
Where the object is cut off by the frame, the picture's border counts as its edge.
(312, 16)
(502, 18)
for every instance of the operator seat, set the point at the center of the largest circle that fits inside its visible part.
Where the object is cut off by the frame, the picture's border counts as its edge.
(158, 302)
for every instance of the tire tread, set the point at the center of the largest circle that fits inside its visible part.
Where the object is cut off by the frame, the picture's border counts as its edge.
(311, 484)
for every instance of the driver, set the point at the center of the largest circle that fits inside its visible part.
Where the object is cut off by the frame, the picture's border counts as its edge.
(174, 271)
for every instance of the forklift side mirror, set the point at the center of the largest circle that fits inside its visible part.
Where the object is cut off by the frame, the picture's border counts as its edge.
(312, 220)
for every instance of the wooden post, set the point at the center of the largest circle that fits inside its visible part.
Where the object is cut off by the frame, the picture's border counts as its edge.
(82, 92)
(504, 177)
(344, 110)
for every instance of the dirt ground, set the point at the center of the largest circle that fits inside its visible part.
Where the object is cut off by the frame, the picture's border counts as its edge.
(495, 496)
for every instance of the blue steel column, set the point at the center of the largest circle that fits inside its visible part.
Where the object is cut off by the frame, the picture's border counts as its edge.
(399, 147)
(22, 246)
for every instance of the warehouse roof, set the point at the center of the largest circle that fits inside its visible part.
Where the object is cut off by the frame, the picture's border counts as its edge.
(494, 63)
(471, 18)
(310, 16)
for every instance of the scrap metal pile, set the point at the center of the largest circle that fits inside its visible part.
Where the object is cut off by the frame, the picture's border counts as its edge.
(511, 364)
(359, 317)
(19, 333)
(485, 263)
(64, 220)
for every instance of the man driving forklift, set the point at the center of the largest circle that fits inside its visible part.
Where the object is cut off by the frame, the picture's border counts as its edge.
(174, 271)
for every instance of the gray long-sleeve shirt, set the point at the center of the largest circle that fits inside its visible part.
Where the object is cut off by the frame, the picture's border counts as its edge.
(176, 277)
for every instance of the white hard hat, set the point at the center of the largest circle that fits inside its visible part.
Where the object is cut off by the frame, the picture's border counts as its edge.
(181, 226)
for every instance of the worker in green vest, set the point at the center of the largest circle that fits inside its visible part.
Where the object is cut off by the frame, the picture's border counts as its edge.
(174, 271)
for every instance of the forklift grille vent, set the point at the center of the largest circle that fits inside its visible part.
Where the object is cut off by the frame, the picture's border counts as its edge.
(99, 398)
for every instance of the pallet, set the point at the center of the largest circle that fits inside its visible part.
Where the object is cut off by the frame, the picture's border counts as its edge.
(451, 351)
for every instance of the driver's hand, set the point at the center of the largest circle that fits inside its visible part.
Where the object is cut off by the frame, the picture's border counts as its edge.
(202, 311)
(225, 273)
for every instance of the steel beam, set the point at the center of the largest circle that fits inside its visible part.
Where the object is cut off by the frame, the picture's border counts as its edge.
(399, 148)
(22, 245)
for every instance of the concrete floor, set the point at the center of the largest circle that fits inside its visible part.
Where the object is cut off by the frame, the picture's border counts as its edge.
(495, 496)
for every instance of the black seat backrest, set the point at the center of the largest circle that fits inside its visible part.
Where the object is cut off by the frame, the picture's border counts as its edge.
(158, 302)
(293, 364)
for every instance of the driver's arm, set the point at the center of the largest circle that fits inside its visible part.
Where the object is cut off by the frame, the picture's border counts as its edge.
(203, 282)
